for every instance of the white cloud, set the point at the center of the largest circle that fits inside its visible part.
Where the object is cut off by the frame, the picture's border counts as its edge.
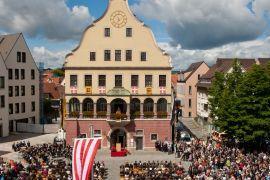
(51, 59)
(204, 24)
(49, 18)
(182, 58)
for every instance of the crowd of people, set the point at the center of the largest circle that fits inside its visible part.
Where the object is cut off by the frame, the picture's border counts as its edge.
(45, 161)
(163, 146)
(17, 146)
(152, 170)
(215, 161)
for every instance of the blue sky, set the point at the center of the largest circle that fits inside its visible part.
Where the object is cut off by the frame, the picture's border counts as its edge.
(189, 30)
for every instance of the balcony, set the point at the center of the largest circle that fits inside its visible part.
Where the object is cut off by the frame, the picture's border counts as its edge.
(118, 119)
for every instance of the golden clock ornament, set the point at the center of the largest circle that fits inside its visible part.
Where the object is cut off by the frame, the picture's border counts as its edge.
(118, 19)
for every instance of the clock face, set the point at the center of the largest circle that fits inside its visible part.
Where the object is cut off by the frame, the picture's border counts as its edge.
(118, 19)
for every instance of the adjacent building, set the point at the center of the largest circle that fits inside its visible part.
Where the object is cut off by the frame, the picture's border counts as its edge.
(118, 83)
(205, 81)
(21, 82)
(187, 90)
(3, 98)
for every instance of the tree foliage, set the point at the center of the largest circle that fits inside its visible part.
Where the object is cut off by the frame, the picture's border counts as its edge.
(240, 103)
(59, 72)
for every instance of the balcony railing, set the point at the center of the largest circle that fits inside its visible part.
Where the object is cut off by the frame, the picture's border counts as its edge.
(115, 116)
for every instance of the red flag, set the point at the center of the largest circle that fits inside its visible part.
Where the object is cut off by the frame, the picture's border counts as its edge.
(102, 90)
(134, 90)
(73, 89)
(162, 90)
(84, 152)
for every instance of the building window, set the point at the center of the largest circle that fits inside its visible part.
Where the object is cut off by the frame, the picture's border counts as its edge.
(128, 55)
(2, 101)
(32, 90)
(190, 90)
(154, 137)
(33, 120)
(189, 114)
(16, 73)
(162, 80)
(88, 80)
(189, 103)
(10, 74)
(23, 107)
(32, 74)
(33, 105)
(92, 56)
(97, 133)
(143, 56)
(2, 82)
(118, 80)
(107, 32)
(129, 32)
(17, 108)
(73, 80)
(10, 91)
(102, 80)
(23, 57)
(139, 132)
(17, 93)
(23, 90)
(10, 108)
(22, 74)
(107, 55)
(199, 76)
(117, 55)
(134, 80)
(19, 56)
(148, 80)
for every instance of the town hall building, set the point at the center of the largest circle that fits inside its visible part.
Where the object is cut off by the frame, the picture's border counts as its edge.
(118, 83)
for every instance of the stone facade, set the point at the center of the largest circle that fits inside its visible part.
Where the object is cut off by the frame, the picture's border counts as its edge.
(118, 83)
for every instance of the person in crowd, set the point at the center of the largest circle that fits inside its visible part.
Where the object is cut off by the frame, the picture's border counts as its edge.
(44, 161)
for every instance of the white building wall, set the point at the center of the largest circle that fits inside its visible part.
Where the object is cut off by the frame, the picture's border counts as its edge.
(29, 115)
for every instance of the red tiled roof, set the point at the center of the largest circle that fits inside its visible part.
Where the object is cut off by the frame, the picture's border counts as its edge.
(224, 65)
(55, 92)
(264, 61)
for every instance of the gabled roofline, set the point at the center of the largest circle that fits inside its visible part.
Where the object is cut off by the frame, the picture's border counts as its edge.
(185, 80)
(29, 51)
(19, 34)
(3, 60)
(98, 19)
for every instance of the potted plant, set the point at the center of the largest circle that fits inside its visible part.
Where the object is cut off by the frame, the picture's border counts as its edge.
(162, 114)
(74, 114)
(101, 114)
(88, 114)
(148, 114)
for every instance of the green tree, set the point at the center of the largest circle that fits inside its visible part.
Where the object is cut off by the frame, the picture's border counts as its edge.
(223, 97)
(240, 103)
(59, 72)
(254, 105)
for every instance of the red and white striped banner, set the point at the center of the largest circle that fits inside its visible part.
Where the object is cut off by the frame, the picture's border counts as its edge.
(83, 155)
